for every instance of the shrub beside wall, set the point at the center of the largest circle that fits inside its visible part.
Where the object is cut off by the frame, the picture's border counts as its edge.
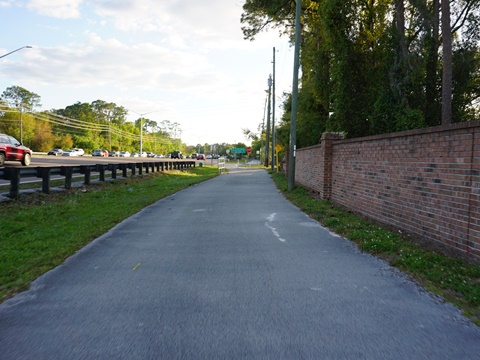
(426, 182)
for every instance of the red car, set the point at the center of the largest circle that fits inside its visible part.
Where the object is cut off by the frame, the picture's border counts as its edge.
(200, 156)
(12, 150)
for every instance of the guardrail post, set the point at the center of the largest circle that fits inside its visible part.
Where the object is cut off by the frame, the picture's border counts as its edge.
(124, 168)
(133, 168)
(113, 168)
(101, 169)
(85, 169)
(67, 171)
(44, 173)
(140, 168)
(147, 167)
(13, 174)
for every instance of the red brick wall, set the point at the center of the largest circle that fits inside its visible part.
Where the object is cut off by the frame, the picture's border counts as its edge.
(426, 182)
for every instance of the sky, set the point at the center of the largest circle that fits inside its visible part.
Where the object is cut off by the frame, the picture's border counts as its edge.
(179, 60)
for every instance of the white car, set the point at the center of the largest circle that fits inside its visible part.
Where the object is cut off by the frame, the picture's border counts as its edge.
(72, 152)
(80, 152)
(124, 154)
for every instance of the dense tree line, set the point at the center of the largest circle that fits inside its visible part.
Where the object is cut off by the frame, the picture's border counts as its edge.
(377, 66)
(96, 125)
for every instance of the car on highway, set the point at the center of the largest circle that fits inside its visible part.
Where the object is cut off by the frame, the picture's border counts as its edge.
(114, 154)
(200, 156)
(79, 151)
(71, 152)
(98, 152)
(124, 154)
(176, 155)
(55, 152)
(13, 150)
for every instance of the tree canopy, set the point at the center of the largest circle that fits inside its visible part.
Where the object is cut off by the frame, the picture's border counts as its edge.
(377, 66)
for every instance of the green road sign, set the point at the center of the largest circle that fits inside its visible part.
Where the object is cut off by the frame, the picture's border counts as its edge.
(239, 150)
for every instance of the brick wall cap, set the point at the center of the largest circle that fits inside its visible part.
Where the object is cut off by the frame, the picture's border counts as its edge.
(434, 129)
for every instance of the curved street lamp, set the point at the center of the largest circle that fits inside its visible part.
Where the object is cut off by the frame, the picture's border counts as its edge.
(141, 127)
(11, 52)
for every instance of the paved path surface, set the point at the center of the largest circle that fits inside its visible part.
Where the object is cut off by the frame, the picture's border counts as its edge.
(228, 269)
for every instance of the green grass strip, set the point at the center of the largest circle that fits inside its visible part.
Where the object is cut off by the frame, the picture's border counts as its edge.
(454, 279)
(38, 232)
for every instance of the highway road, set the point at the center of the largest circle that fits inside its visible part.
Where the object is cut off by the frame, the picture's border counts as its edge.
(228, 269)
(46, 161)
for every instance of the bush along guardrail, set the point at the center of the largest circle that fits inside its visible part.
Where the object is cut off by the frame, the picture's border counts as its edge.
(15, 174)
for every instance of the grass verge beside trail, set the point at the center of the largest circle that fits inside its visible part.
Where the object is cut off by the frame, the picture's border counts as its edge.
(38, 231)
(456, 280)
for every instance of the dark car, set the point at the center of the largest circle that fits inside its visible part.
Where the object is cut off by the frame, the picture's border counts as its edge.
(55, 152)
(102, 153)
(12, 150)
(200, 156)
(177, 155)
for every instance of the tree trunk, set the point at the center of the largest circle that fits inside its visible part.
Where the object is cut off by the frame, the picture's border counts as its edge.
(432, 108)
(447, 64)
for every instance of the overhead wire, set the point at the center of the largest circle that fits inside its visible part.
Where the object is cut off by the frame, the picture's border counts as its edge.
(76, 126)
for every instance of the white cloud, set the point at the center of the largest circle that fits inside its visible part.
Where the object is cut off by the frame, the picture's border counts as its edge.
(101, 61)
(61, 9)
(211, 23)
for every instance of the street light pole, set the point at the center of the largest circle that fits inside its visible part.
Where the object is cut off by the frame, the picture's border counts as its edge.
(141, 135)
(11, 52)
(141, 127)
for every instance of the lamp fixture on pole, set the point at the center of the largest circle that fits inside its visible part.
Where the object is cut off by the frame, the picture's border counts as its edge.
(11, 52)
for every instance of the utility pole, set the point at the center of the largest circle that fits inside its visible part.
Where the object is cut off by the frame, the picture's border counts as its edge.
(268, 121)
(293, 124)
(263, 127)
(273, 116)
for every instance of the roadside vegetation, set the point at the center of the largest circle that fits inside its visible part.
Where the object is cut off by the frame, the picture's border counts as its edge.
(39, 231)
(455, 279)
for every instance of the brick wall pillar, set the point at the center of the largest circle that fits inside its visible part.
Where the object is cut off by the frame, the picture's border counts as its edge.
(326, 155)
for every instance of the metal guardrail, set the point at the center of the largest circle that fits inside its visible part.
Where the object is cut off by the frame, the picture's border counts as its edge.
(15, 174)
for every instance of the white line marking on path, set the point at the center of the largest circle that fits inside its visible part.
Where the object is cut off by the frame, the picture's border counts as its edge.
(270, 219)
